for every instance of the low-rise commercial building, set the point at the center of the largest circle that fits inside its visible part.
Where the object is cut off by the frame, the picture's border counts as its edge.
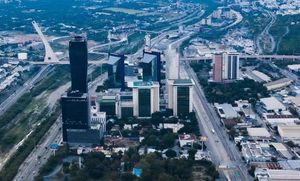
(282, 150)
(280, 119)
(294, 67)
(271, 104)
(278, 84)
(226, 111)
(256, 152)
(277, 175)
(258, 133)
(261, 76)
(289, 132)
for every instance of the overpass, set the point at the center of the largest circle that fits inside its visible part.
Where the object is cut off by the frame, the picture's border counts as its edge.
(259, 57)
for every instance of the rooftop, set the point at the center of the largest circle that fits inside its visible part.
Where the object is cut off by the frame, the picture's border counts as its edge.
(143, 84)
(183, 82)
(261, 75)
(278, 84)
(147, 58)
(284, 174)
(271, 103)
(113, 59)
(294, 67)
(258, 132)
(187, 137)
(280, 116)
(291, 131)
(226, 110)
(280, 148)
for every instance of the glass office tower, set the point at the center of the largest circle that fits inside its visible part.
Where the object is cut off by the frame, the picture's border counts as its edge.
(78, 55)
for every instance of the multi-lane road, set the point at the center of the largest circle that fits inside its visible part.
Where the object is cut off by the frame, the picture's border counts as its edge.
(224, 152)
(41, 153)
(39, 156)
(6, 104)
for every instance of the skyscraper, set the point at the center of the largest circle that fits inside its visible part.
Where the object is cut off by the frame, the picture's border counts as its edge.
(79, 126)
(225, 67)
(79, 61)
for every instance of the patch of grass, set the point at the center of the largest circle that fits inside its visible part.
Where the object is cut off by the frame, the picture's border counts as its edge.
(290, 42)
(11, 167)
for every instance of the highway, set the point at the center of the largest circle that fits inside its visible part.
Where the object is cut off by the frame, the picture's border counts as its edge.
(30, 167)
(266, 34)
(223, 151)
(244, 56)
(41, 153)
(5, 105)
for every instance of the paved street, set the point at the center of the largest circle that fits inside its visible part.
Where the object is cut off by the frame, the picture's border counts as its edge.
(223, 151)
(5, 105)
(30, 167)
(39, 156)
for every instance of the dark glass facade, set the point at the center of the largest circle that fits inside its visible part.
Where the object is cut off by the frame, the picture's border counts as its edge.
(127, 112)
(75, 113)
(183, 100)
(147, 71)
(152, 70)
(235, 67)
(117, 71)
(157, 67)
(109, 107)
(144, 102)
(78, 55)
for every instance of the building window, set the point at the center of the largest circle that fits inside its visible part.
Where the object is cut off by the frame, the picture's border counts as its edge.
(144, 102)
(183, 101)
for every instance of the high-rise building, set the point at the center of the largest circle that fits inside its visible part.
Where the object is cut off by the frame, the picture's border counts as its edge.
(225, 67)
(116, 70)
(180, 94)
(145, 98)
(75, 112)
(218, 67)
(78, 55)
(233, 66)
(151, 64)
(79, 126)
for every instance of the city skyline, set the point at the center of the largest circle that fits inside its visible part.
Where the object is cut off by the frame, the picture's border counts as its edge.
(104, 90)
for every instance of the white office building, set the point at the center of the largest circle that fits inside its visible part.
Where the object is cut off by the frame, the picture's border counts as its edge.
(145, 98)
(180, 92)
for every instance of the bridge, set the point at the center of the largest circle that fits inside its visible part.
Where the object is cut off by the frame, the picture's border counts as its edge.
(258, 57)
(50, 56)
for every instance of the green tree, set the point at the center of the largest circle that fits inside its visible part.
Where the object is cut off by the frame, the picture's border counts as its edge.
(192, 152)
(170, 153)
(128, 177)
(168, 140)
